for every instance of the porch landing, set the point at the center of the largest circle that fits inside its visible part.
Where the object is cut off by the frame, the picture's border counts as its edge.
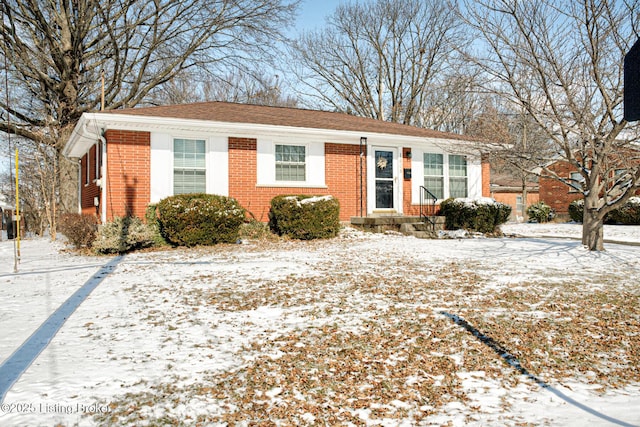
(409, 225)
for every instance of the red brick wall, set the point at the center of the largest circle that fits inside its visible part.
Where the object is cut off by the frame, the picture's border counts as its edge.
(556, 194)
(511, 200)
(408, 208)
(89, 190)
(486, 178)
(128, 173)
(341, 175)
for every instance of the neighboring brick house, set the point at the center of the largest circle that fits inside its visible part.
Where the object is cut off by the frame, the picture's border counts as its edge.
(508, 190)
(557, 194)
(133, 157)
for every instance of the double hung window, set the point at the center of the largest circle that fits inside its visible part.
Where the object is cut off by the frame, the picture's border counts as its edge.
(457, 176)
(434, 174)
(290, 163)
(189, 166)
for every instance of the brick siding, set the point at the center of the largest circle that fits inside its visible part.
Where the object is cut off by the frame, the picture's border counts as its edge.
(341, 166)
(556, 194)
(128, 173)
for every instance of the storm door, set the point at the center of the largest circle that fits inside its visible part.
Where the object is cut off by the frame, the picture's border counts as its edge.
(385, 181)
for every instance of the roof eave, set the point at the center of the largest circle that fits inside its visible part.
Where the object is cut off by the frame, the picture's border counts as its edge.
(82, 139)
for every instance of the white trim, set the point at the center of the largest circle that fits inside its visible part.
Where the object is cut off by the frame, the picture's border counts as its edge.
(266, 164)
(103, 181)
(76, 145)
(97, 160)
(216, 164)
(474, 174)
(398, 202)
(161, 168)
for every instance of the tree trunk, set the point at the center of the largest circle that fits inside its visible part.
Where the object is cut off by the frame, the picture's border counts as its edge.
(524, 200)
(592, 225)
(67, 178)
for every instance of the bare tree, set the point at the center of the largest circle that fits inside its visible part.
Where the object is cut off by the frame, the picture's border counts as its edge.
(238, 86)
(562, 63)
(37, 186)
(514, 141)
(60, 50)
(379, 59)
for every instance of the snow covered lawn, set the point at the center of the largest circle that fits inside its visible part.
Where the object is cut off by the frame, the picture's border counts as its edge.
(365, 329)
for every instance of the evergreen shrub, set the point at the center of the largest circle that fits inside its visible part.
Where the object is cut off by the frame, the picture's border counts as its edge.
(539, 212)
(123, 235)
(628, 214)
(576, 210)
(305, 217)
(200, 219)
(482, 215)
(79, 229)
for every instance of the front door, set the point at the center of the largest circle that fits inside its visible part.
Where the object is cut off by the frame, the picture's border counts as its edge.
(385, 179)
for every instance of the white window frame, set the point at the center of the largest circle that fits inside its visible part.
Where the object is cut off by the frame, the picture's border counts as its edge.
(162, 158)
(87, 178)
(98, 175)
(474, 173)
(575, 187)
(173, 169)
(440, 177)
(289, 163)
(454, 177)
(314, 163)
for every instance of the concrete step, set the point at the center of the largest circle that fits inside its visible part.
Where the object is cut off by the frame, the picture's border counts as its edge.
(410, 225)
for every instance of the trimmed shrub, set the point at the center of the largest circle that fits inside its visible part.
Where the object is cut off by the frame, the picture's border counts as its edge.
(576, 210)
(305, 217)
(79, 229)
(200, 219)
(628, 214)
(540, 212)
(482, 215)
(123, 235)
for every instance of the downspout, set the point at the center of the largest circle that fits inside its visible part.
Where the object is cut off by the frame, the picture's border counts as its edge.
(79, 186)
(103, 169)
(103, 180)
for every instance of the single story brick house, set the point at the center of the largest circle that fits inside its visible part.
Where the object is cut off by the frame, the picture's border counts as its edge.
(133, 157)
(508, 190)
(559, 195)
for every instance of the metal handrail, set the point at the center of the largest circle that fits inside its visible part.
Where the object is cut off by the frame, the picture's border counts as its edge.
(427, 206)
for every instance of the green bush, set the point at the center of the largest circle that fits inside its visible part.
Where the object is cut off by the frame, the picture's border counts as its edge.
(79, 229)
(628, 214)
(539, 212)
(123, 235)
(576, 210)
(305, 217)
(200, 219)
(484, 215)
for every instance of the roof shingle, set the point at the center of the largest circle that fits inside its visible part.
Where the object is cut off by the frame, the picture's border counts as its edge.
(283, 116)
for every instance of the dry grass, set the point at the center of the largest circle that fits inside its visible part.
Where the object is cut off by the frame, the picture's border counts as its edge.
(375, 341)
